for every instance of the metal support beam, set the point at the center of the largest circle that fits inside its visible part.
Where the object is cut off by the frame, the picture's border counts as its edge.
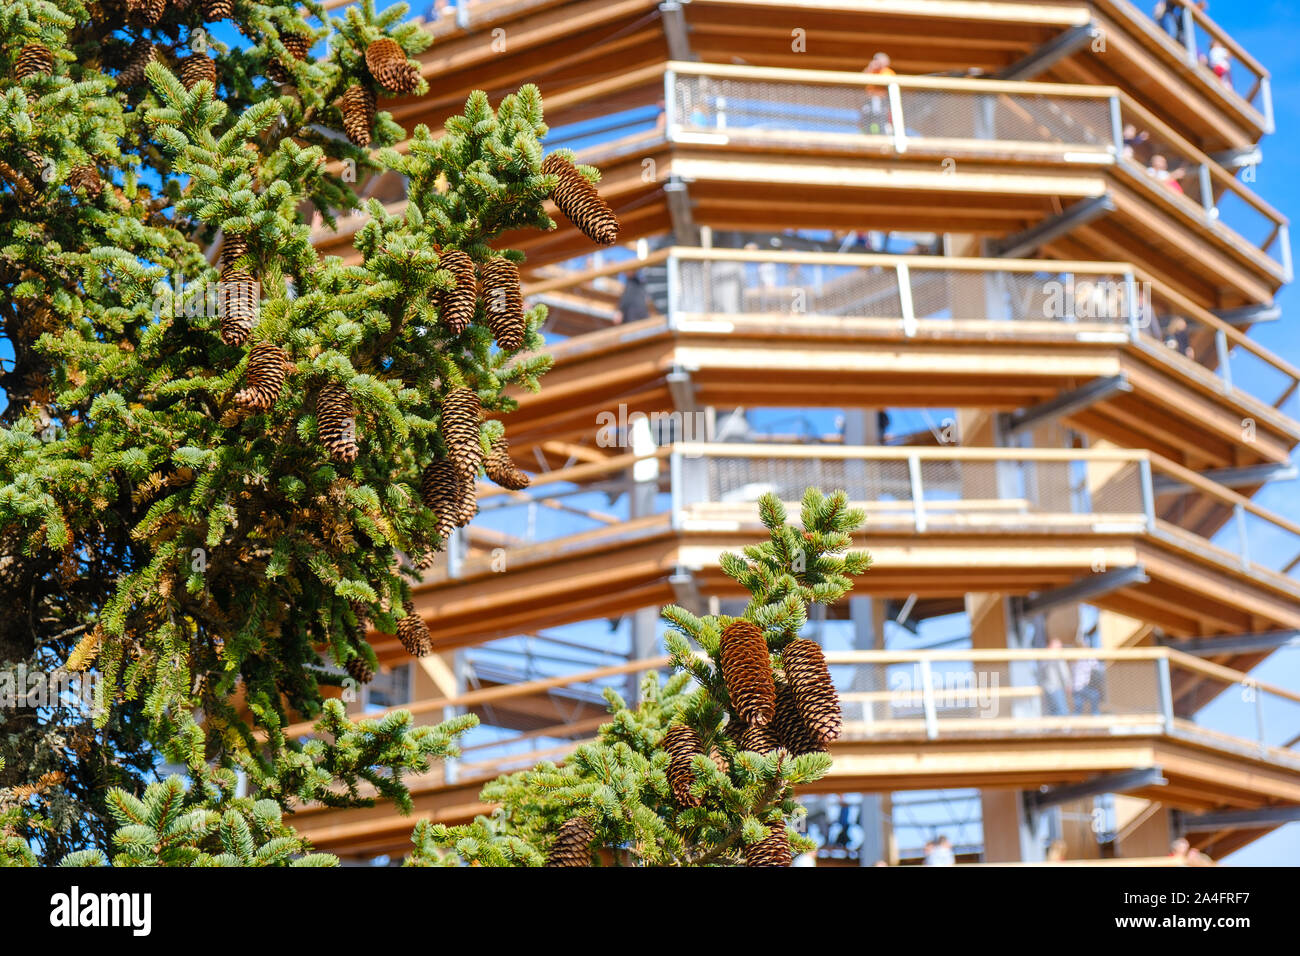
(1085, 589)
(675, 32)
(1019, 246)
(1249, 314)
(1050, 53)
(1233, 643)
(1067, 403)
(1122, 782)
(686, 592)
(685, 231)
(1245, 477)
(1235, 819)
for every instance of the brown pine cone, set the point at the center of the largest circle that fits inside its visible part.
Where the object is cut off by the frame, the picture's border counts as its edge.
(814, 691)
(360, 670)
(267, 366)
(32, 59)
(682, 744)
(358, 107)
(234, 246)
(758, 739)
(214, 10)
(150, 11)
(388, 65)
(461, 415)
(719, 761)
(747, 672)
(141, 55)
(789, 726)
(456, 306)
(572, 846)
(441, 493)
(85, 179)
(500, 467)
(238, 300)
(336, 422)
(577, 198)
(413, 632)
(466, 502)
(298, 44)
(196, 68)
(504, 303)
(772, 850)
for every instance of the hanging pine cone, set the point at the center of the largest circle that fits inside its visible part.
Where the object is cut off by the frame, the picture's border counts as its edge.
(501, 468)
(85, 179)
(388, 65)
(466, 502)
(141, 55)
(789, 726)
(150, 11)
(196, 68)
(358, 107)
(359, 670)
(577, 198)
(504, 303)
(772, 850)
(32, 59)
(572, 846)
(719, 761)
(461, 414)
(298, 44)
(214, 10)
(234, 246)
(814, 691)
(682, 744)
(238, 301)
(441, 493)
(267, 365)
(413, 632)
(456, 307)
(336, 421)
(747, 672)
(758, 739)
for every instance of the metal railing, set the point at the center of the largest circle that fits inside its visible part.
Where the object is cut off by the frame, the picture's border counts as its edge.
(934, 296)
(906, 490)
(939, 695)
(960, 117)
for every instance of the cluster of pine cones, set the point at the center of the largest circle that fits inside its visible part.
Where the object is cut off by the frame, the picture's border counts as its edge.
(389, 68)
(503, 300)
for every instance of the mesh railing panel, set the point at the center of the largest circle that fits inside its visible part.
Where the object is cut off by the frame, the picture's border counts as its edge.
(1025, 118)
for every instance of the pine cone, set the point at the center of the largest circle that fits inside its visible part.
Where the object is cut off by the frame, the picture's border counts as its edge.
(238, 301)
(359, 670)
(577, 198)
(466, 502)
(85, 179)
(758, 739)
(814, 691)
(719, 761)
(32, 59)
(267, 366)
(196, 68)
(413, 632)
(789, 726)
(388, 65)
(572, 846)
(214, 10)
(772, 850)
(298, 44)
(441, 493)
(234, 246)
(747, 672)
(456, 307)
(461, 414)
(336, 422)
(358, 106)
(682, 744)
(141, 55)
(504, 303)
(501, 468)
(150, 10)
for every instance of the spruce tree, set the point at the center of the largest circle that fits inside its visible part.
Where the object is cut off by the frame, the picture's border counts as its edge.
(213, 437)
(683, 779)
